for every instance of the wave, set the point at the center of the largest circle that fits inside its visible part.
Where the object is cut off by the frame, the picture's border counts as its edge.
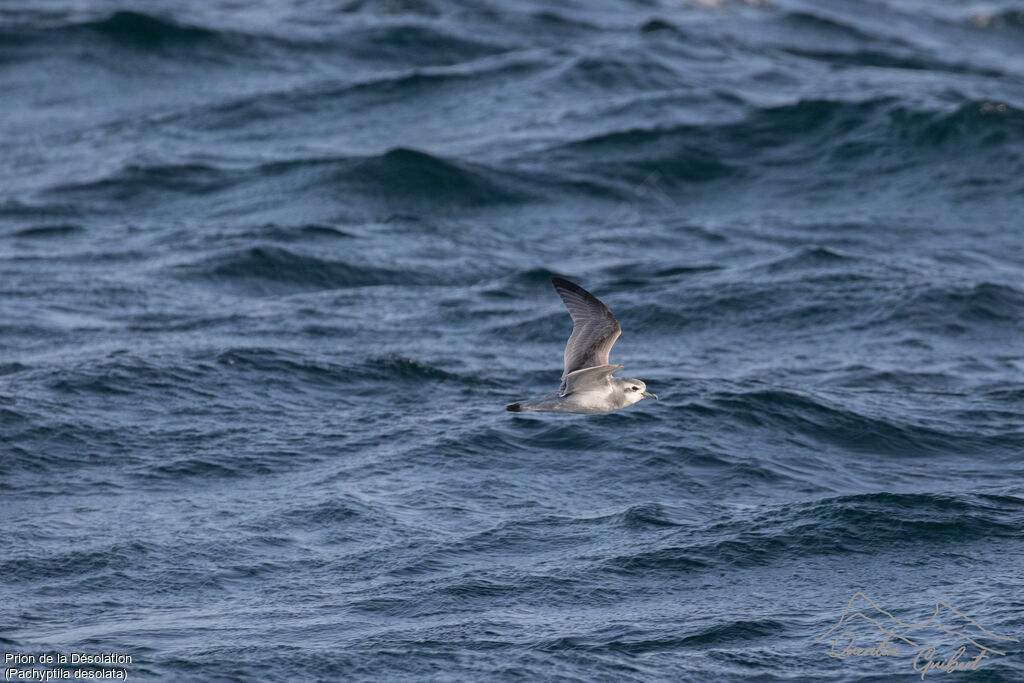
(866, 523)
(275, 270)
(415, 7)
(10, 368)
(175, 468)
(647, 542)
(48, 211)
(409, 43)
(1010, 19)
(809, 289)
(74, 563)
(767, 139)
(397, 179)
(48, 231)
(622, 72)
(344, 517)
(543, 535)
(398, 368)
(415, 175)
(887, 60)
(37, 443)
(810, 259)
(142, 32)
(977, 122)
(136, 28)
(865, 376)
(981, 308)
(1013, 394)
(303, 372)
(201, 374)
(414, 45)
(793, 413)
(127, 30)
(276, 232)
(143, 183)
(208, 384)
(635, 642)
(367, 92)
(762, 127)
(125, 376)
(656, 25)
(850, 42)
(831, 28)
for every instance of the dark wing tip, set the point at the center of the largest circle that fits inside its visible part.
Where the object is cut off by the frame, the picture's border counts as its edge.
(562, 283)
(514, 407)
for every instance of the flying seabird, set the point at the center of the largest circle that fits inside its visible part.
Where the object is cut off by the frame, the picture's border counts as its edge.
(587, 382)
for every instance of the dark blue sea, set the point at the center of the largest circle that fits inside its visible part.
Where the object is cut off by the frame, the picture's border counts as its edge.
(270, 271)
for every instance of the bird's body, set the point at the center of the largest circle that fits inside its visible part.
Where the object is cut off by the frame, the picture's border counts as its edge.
(587, 382)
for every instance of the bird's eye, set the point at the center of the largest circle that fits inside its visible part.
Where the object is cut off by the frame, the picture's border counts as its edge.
(636, 388)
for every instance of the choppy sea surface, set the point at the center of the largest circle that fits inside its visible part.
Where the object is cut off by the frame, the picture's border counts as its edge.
(270, 271)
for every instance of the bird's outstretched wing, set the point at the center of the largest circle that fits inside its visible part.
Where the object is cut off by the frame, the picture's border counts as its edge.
(587, 378)
(594, 328)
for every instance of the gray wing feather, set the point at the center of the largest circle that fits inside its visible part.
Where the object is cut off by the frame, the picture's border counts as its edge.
(587, 378)
(594, 328)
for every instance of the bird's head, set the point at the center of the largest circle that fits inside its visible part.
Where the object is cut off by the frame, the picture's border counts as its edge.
(636, 390)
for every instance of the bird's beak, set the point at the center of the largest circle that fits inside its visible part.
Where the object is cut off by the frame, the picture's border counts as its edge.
(648, 394)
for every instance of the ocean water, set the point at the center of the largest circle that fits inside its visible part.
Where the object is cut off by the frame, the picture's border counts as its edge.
(270, 271)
